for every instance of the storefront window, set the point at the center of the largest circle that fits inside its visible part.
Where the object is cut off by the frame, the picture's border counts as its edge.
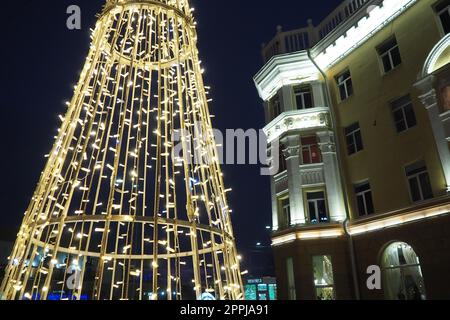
(402, 275)
(323, 278)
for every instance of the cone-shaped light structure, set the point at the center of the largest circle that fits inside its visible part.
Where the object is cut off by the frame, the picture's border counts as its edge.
(131, 203)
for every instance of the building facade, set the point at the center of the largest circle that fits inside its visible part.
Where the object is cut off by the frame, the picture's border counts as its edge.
(358, 115)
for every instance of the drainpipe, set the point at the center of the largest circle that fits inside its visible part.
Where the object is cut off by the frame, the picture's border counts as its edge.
(343, 185)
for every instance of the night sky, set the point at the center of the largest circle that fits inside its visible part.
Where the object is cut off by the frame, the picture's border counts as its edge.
(41, 60)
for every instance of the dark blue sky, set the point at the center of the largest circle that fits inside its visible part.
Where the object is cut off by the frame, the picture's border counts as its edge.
(41, 60)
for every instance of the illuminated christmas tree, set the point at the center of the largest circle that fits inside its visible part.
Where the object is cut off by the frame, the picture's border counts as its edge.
(131, 203)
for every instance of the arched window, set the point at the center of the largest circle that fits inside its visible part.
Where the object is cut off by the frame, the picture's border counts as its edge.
(402, 275)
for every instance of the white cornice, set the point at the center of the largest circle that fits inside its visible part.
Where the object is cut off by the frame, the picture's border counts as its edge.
(293, 68)
(360, 32)
(284, 70)
(297, 120)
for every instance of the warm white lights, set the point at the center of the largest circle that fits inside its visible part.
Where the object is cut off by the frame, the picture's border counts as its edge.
(365, 28)
(357, 228)
(295, 68)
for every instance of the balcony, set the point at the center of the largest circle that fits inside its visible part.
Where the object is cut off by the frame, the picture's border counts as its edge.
(311, 175)
(297, 120)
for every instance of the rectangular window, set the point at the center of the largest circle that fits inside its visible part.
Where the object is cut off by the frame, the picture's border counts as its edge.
(390, 54)
(443, 12)
(364, 199)
(310, 150)
(290, 279)
(419, 182)
(354, 139)
(344, 82)
(275, 106)
(323, 278)
(317, 207)
(403, 113)
(285, 210)
(282, 159)
(303, 97)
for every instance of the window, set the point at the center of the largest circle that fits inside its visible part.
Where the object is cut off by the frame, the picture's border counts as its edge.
(303, 97)
(282, 159)
(402, 274)
(290, 279)
(354, 139)
(364, 199)
(344, 82)
(403, 112)
(317, 208)
(443, 12)
(285, 211)
(419, 182)
(275, 106)
(310, 150)
(390, 54)
(323, 278)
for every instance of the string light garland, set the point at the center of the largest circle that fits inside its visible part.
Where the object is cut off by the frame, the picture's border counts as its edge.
(131, 203)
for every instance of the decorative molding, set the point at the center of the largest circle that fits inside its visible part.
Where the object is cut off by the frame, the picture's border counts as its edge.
(348, 40)
(282, 70)
(326, 142)
(434, 55)
(291, 152)
(297, 120)
(295, 68)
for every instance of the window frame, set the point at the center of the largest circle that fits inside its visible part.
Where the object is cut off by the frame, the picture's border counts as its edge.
(353, 135)
(316, 206)
(439, 13)
(344, 84)
(275, 107)
(283, 203)
(302, 94)
(399, 105)
(383, 52)
(321, 286)
(364, 194)
(310, 151)
(418, 169)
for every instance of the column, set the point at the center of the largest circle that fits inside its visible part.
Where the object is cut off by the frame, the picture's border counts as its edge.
(429, 100)
(291, 154)
(332, 176)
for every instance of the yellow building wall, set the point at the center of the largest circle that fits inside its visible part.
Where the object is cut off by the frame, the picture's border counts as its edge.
(386, 153)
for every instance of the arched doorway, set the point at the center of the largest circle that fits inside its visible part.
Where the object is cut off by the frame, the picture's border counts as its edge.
(402, 274)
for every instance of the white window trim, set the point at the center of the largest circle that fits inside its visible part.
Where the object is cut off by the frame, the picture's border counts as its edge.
(276, 108)
(363, 194)
(353, 135)
(316, 207)
(391, 60)
(344, 83)
(308, 146)
(302, 95)
(286, 212)
(416, 176)
(403, 109)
